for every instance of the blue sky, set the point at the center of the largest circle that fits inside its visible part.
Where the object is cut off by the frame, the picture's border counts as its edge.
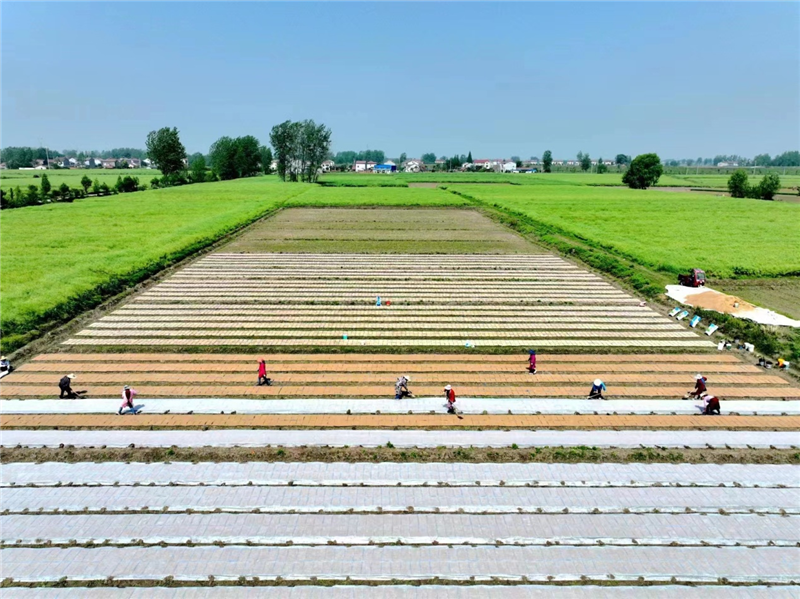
(496, 79)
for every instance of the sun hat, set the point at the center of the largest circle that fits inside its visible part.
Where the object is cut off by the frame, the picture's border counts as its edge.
(71, 376)
(408, 378)
(598, 382)
(532, 352)
(127, 387)
(447, 387)
(697, 377)
(2, 357)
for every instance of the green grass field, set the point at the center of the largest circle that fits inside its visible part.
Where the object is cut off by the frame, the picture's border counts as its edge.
(56, 257)
(72, 177)
(666, 231)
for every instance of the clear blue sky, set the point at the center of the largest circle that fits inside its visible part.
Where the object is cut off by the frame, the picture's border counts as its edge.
(497, 79)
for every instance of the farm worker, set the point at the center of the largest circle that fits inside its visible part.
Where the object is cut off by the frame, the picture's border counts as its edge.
(712, 405)
(65, 384)
(597, 389)
(783, 364)
(699, 387)
(532, 361)
(401, 387)
(127, 400)
(5, 366)
(262, 374)
(450, 396)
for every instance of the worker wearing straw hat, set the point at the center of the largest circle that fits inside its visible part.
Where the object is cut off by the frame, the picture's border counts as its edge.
(597, 389)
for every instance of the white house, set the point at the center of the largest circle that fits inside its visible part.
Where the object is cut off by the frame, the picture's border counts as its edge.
(413, 166)
(327, 166)
(509, 167)
(362, 166)
(724, 164)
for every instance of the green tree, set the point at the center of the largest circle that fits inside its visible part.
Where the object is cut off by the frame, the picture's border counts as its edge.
(787, 159)
(45, 186)
(586, 162)
(197, 169)
(164, 147)
(222, 155)
(96, 186)
(86, 183)
(769, 186)
(64, 192)
(429, 158)
(469, 157)
(402, 159)
(266, 159)
(601, 166)
(247, 158)
(301, 148)
(622, 159)
(314, 144)
(738, 184)
(547, 161)
(762, 160)
(644, 171)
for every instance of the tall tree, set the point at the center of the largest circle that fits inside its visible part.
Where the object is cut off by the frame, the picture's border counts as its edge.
(601, 167)
(547, 161)
(429, 158)
(222, 155)
(164, 147)
(300, 149)
(402, 159)
(622, 159)
(469, 157)
(643, 172)
(586, 162)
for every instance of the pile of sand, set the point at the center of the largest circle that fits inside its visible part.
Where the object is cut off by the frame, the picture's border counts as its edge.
(710, 299)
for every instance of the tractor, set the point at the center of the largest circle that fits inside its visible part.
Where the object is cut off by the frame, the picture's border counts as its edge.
(695, 278)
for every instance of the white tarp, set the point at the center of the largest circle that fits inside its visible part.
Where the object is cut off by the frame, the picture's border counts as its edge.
(710, 299)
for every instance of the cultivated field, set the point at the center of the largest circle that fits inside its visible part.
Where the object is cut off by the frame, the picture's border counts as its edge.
(381, 230)
(72, 177)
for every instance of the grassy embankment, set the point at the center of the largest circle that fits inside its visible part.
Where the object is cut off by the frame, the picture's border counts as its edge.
(72, 177)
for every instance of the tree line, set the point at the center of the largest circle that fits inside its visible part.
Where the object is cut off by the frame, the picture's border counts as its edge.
(300, 149)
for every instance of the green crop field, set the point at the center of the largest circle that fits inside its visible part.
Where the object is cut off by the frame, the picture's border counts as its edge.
(721, 181)
(72, 177)
(362, 180)
(55, 256)
(665, 231)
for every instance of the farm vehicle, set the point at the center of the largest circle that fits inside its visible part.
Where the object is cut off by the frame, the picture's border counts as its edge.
(695, 278)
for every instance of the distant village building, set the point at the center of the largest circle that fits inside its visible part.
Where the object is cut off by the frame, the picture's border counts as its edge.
(327, 166)
(413, 166)
(110, 163)
(134, 163)
(386, 168)
(728, 164)
(362, 166)
(509, 167)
